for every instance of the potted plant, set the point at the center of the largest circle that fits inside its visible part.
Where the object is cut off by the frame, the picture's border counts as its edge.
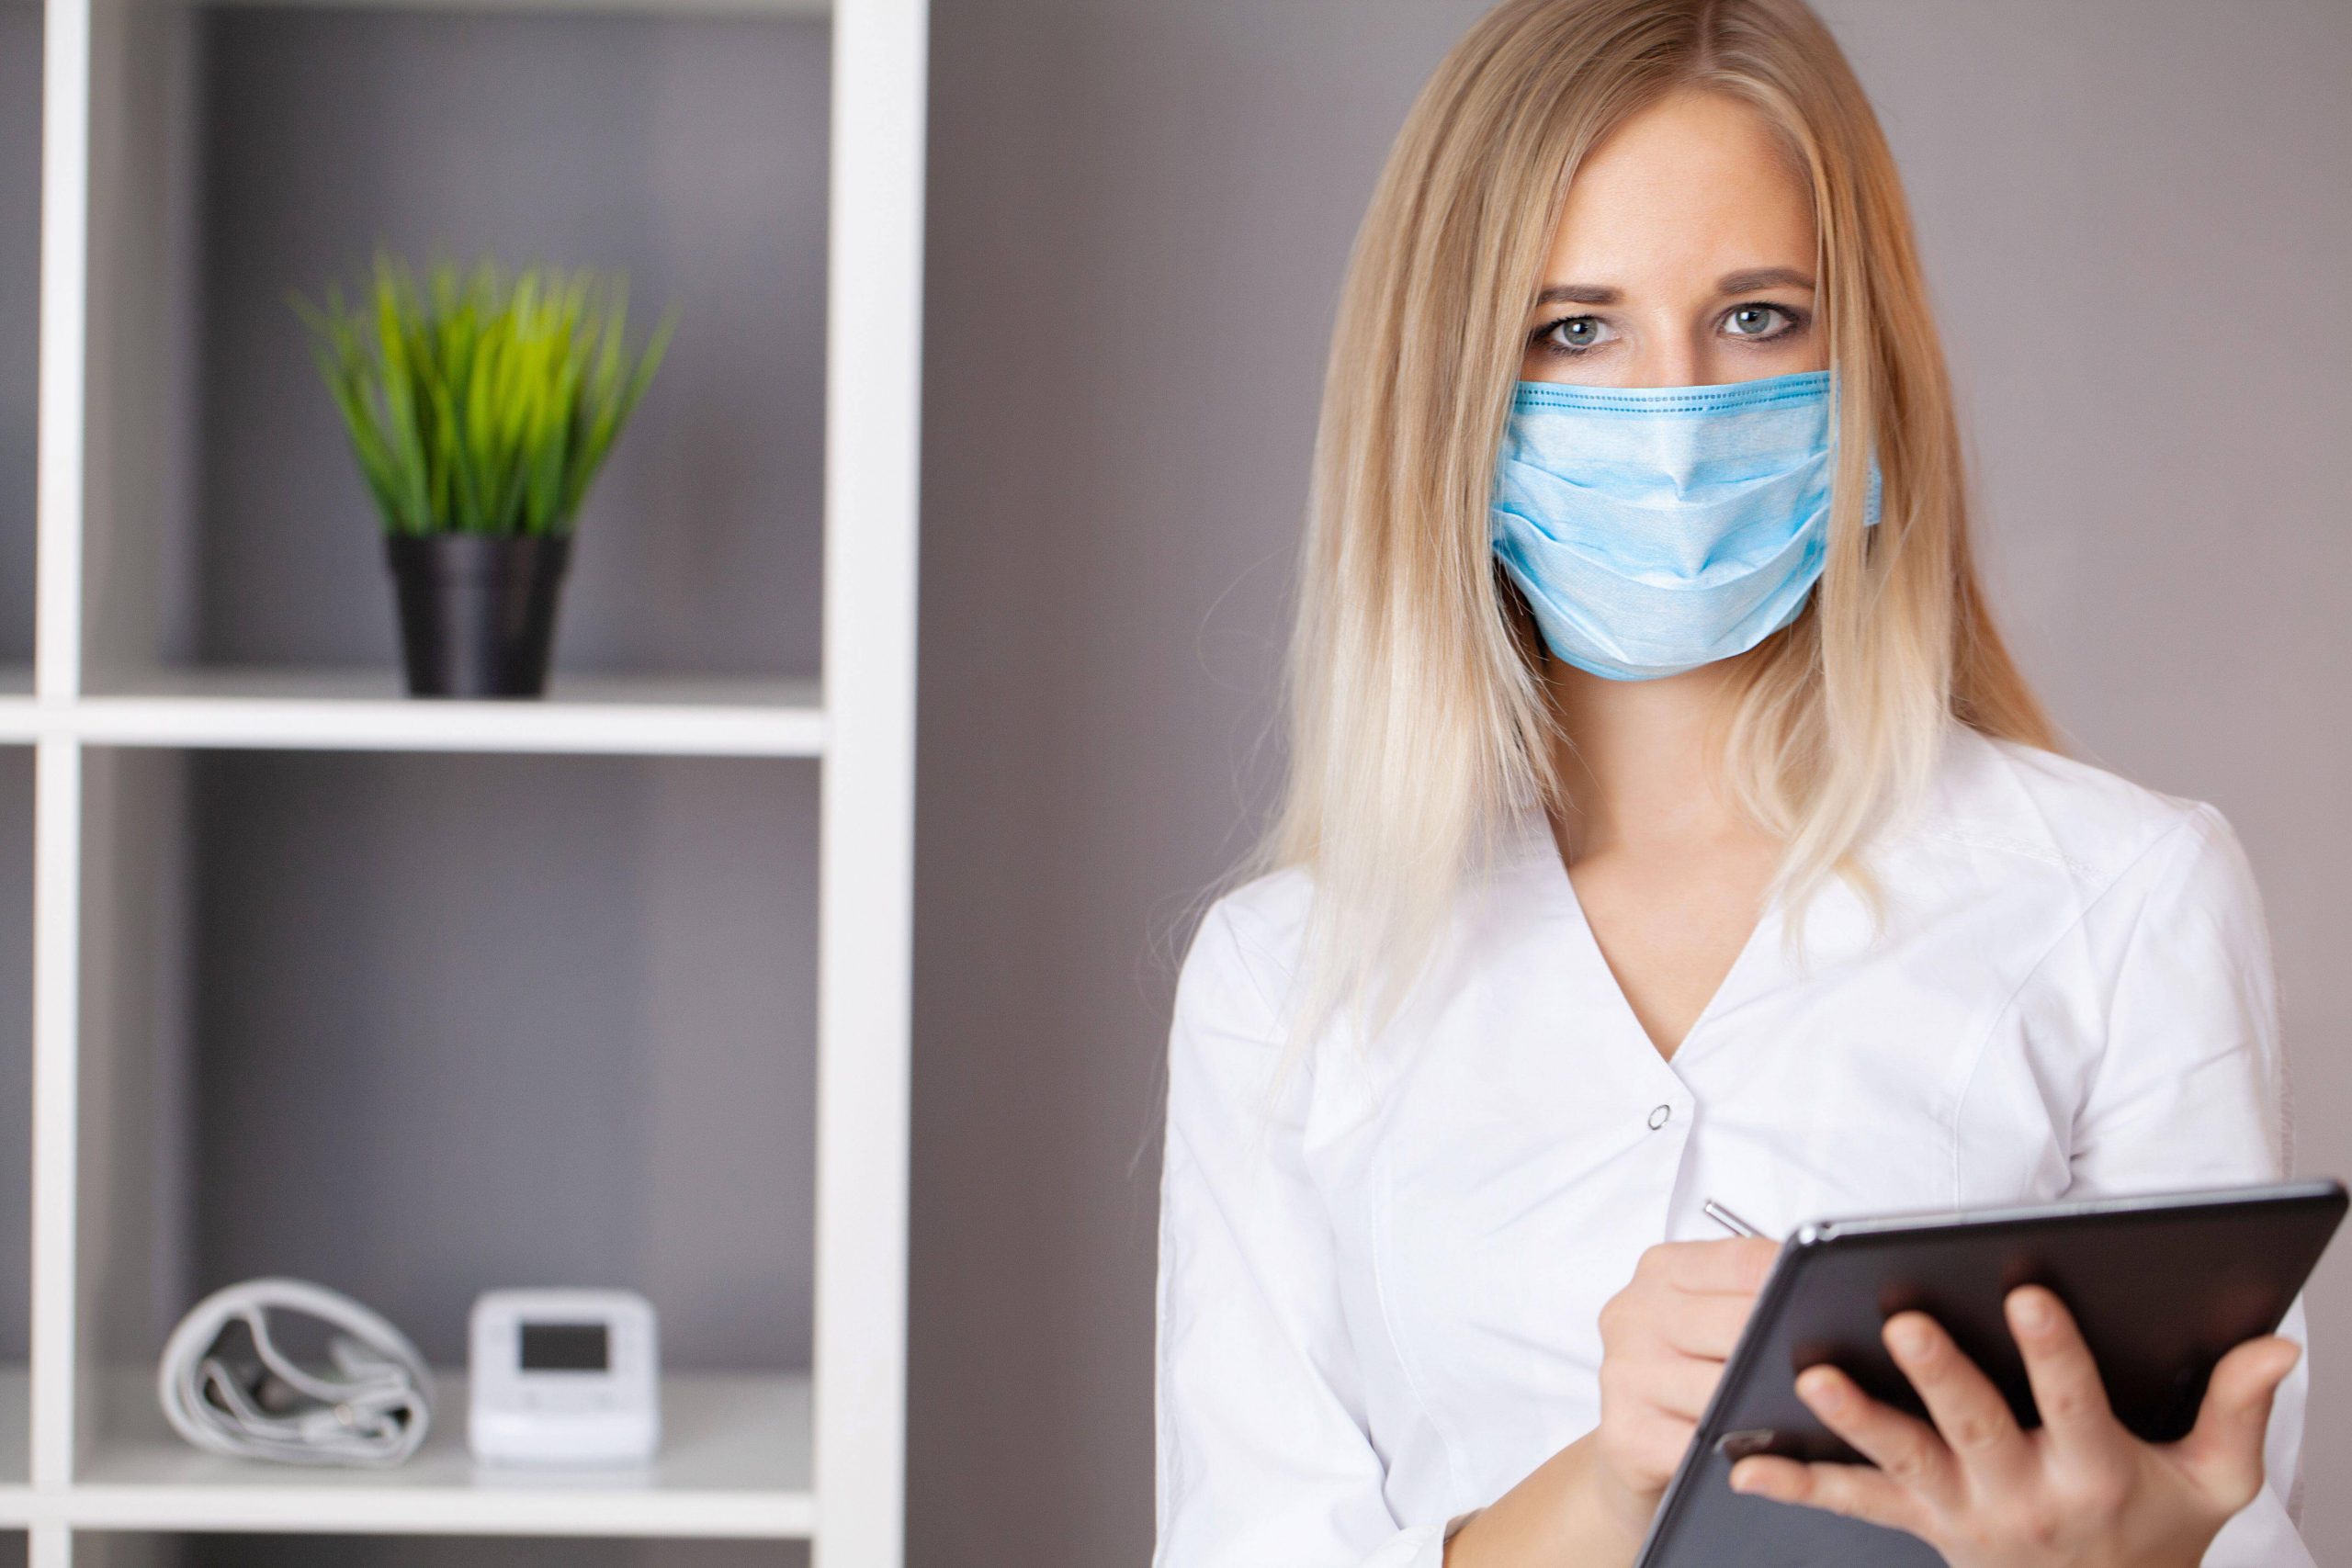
(479, 408)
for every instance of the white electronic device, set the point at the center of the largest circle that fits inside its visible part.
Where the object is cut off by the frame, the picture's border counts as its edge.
(563, 1378)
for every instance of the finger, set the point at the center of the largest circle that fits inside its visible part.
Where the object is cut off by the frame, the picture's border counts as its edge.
(1856, 1491)
(1706, 1327)
(1906, 1448)
(2223, 1452)
(2067, 1387)
(1735, 1265)
(1967, 1409)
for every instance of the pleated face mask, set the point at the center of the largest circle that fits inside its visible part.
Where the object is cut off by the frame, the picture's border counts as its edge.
(1654, 529)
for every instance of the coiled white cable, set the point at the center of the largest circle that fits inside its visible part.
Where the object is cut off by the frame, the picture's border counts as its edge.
(372, 1409)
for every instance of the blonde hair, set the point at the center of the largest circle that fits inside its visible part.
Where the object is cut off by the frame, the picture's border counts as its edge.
(1418, 719)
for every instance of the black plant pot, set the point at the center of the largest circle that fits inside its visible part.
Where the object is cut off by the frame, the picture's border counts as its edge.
(477, 611)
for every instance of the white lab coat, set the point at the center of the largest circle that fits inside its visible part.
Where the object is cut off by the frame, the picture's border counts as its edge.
(1378, 1294)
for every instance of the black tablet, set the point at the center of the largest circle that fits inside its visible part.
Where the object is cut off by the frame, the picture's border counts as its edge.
(2161, 1285)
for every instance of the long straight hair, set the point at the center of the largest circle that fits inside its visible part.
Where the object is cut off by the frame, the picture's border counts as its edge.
(1418, 718)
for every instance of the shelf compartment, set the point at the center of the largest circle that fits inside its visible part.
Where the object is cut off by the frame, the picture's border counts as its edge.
(734, 1463)
(246, 152)
(368, 710)
(416, 1026)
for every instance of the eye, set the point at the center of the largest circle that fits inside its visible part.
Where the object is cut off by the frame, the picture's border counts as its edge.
(1570, 335)
(1755, 321)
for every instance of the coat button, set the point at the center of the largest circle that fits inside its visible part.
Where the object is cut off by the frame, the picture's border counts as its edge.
(1659, 1115)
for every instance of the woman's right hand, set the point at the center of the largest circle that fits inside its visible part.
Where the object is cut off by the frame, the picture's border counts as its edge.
(1664, 1339)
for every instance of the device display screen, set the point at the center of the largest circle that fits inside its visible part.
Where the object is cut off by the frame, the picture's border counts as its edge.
(565, 1347)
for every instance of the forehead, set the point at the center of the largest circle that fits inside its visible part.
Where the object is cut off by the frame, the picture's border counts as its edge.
(1682, 192)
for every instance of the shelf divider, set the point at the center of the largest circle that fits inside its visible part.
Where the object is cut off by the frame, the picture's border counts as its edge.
(58, 440)
(57, 920)
(865, 861)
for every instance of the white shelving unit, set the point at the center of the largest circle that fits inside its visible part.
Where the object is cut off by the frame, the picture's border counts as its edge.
(769, 1455)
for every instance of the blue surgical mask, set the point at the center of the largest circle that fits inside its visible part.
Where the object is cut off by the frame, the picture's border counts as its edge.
(1654, 529)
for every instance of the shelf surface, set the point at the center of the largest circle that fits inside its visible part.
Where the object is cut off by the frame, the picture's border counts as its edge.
(366, 710)
(734, 1462)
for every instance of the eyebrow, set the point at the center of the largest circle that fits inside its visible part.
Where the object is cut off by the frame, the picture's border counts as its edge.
(1763, 278)
(1730, 283)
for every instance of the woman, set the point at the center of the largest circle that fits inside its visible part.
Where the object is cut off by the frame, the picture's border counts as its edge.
(1666, 821)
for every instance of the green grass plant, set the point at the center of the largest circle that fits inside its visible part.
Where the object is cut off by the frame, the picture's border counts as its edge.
(477, 403)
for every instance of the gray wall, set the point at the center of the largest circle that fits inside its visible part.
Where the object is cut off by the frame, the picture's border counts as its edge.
(20, 32)
(475, 1020)
(2135, 215)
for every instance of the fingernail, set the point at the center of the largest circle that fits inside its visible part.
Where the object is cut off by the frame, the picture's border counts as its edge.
(1744, 1479)
(1821, 1388)
(1911, 1337)
(2031, 1309)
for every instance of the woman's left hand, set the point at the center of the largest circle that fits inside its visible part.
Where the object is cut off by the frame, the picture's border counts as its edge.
(2079, 1492)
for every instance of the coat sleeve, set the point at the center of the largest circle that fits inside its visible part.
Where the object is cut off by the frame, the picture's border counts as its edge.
(1263, 1457)
(2192, 1091)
